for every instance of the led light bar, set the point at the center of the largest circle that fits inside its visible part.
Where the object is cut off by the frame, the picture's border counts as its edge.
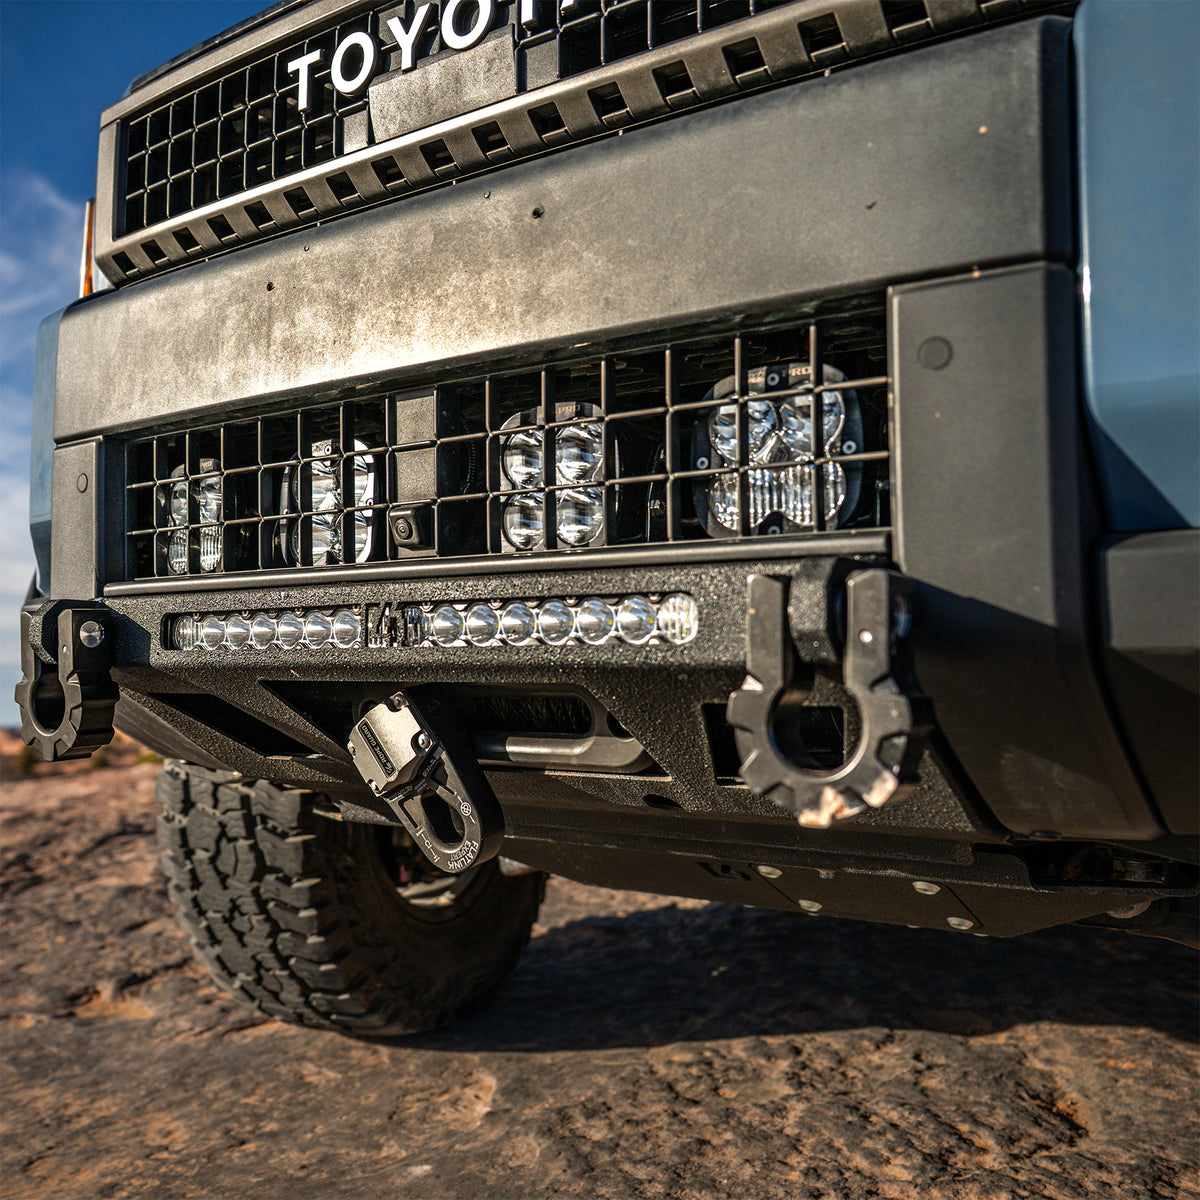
(635, 620)
(341, 629)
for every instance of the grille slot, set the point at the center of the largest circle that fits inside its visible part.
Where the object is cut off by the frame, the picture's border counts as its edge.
(622, 444)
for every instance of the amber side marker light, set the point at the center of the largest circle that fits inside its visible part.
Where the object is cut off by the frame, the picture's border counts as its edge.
(85, 261)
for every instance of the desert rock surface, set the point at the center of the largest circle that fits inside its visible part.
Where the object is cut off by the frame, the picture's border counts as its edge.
(643, 1048)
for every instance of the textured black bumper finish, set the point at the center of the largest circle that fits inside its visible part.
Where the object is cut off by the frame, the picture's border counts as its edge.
(994, 516)
(1151, 587)
(942, 159)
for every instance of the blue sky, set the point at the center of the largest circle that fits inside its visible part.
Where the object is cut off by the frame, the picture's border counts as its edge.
(61, 63)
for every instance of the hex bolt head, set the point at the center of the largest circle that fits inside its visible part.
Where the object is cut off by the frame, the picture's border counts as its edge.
(926, 889)
(91, 634)
(768, 872)
(959, 923)
(810, 906)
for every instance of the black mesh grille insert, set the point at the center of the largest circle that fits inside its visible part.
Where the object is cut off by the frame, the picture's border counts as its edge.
(236, 132)
(246, 128)
(711, 436)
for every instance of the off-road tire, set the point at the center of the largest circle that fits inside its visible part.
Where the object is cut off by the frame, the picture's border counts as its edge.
(296, 913)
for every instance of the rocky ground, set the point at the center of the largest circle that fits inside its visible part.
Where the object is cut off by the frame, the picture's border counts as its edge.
(643, 1048)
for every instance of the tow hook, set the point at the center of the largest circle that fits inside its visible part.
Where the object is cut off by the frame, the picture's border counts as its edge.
(895, 716)
(432, 783)
(66, 694)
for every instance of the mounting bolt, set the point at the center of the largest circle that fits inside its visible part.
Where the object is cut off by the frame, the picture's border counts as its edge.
(91, 634)
(810, 906)
(926, 889)
(866, 636)
(424, 741)
(959, 923)
(351, 748)
(768, 872)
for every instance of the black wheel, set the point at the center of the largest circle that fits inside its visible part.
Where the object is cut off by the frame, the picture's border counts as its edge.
(328, 923)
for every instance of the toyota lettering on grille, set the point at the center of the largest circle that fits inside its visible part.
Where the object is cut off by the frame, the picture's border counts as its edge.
(462, 24)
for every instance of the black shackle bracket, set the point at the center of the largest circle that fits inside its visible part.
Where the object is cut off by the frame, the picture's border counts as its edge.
(431, 781)
(895, 716)
(66, 694)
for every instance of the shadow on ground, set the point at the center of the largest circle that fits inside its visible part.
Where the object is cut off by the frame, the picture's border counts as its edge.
(669, 974)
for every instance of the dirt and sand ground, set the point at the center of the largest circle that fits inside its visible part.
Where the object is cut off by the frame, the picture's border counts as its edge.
(644, 1048)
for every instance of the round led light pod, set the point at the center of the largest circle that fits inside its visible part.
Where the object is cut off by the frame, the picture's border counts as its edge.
(291, 630)
(262, 631)
(212, 632)
(186, 633)
(594, 621)
(446, 625)
(346, 628)
(677, 619)
(318, 629)
(517, 623)
(636, 618)
(482, 624)
(554, 622)
(237, 631)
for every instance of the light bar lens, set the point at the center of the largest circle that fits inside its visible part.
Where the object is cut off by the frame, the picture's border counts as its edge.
(237, 631)
(555, 622)
(517, 623)
(347, 628)
(262, 631)
(290, 630)
(483, 623)
(318, 629)
(636, 618)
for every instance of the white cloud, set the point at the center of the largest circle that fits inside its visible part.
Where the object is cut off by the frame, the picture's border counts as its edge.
(40, 237)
